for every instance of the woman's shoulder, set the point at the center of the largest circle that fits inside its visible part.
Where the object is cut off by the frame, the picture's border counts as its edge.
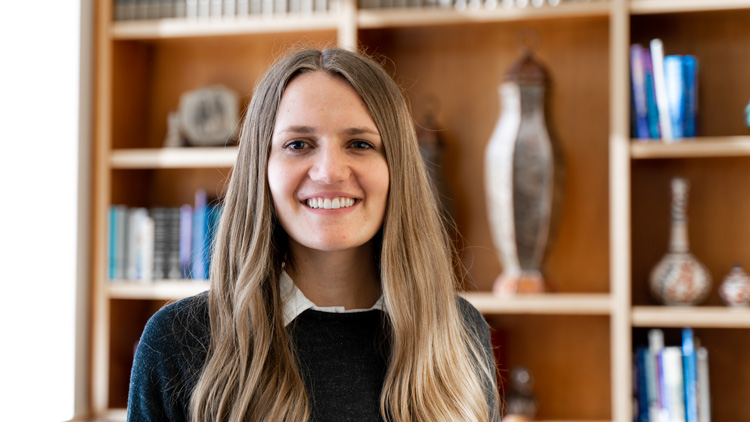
(181, 323)
(469, 313)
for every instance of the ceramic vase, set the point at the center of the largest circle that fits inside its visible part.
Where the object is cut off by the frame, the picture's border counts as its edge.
(734, 290)
(679, 278)
(522, 179)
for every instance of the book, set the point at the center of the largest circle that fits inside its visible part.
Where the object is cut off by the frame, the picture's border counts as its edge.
(191, 9)
(215, 8)
(186, 240)
(652, 111)
(243, 7)
(690, 77)
(640, 384)
(657, 409)
(704, 393)
(690, 375)
(229, 8)
(173, 244)
(112, 242)
(179, 8)
(638, 84)
(660, 89)
(200, 231)
(160, 216)
(673, 382)
(674, 83)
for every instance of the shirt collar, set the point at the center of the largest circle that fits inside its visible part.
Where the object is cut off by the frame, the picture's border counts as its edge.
(295, 302)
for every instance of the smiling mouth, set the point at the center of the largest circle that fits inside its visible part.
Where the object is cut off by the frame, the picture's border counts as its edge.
(330, 203)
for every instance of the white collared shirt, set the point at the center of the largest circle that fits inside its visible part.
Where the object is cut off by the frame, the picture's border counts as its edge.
(295, 302)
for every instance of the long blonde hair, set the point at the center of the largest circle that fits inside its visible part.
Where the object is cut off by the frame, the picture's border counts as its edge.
(436, 369)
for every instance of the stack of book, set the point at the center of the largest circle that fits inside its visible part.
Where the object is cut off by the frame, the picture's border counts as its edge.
(162, 243)
(165, 9)
(672, 381)
(665, 93)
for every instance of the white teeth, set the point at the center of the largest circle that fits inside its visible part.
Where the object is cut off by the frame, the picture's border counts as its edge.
(330, 204)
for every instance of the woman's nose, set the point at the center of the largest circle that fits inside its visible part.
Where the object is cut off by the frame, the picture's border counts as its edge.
(330, 166)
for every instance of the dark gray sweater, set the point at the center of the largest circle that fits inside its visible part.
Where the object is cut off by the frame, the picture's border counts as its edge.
(342, 357)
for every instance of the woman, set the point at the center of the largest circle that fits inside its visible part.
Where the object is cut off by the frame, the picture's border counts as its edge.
(332, 286)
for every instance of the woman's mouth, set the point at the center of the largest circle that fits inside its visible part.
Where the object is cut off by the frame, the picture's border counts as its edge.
(330, 203)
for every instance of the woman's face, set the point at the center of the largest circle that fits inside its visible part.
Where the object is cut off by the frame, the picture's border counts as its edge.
(327, 170)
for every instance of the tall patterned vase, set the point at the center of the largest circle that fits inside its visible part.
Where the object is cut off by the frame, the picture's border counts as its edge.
(522, 178)
(679, 278)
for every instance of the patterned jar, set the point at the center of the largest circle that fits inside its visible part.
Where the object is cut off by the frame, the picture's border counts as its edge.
(735, 289)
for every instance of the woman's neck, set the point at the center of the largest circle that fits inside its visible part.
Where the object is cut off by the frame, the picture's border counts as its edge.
(342, 278)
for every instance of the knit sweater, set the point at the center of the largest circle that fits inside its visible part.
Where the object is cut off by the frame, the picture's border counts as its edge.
(342, 358)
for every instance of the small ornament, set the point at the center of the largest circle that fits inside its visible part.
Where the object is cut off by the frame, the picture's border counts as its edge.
(520, 402)
(679, 278)
(735, 289)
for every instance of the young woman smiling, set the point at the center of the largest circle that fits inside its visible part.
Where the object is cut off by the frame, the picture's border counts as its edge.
(332, 287)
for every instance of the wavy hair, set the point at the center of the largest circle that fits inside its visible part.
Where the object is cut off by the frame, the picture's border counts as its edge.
(436, 369)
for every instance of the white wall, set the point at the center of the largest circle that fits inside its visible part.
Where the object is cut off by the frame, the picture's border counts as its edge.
(41, 187)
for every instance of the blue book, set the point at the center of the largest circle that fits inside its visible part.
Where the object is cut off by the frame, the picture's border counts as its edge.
(660, 89)
(690, 370)
(198, 256)
(690, 77)
(675, 93)
(112, 243)
(186, 239)
(652, 111)
(639, 91)
(642, 356)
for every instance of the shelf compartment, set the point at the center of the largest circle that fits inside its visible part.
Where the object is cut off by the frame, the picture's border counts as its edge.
(411, 17)
(162, 158)
(699, 316)
(673, 6)
(155, 290)
(541, 304)
(185, 28)
(725, 146)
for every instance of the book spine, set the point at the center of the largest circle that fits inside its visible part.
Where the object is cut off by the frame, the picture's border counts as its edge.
(191, 9)
(229, 8)
(198, 258)
(320, 6)
(266, 7)
(652, 111)
(690, 75)
(243, 7)
(166, 9)
(641, 383)
(122, 242)
(173, 244)
(281, 7)
(159, 216)
(146, 271)
(186, 240)
(704, 392)
(180, 8)
(660, 89)
(675, 93)
(658, 411)
(639, 91)
(690, 374)
(204, 8)
(112, 243)
(215, 8)
(674, 382)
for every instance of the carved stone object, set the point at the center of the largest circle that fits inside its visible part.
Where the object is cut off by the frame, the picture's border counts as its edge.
(522, 178)
(679, 278)
(209, 116)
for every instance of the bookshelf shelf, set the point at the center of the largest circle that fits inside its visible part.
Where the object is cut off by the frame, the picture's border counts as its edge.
(153, 158)
(699, 316)
(541, 304)
(727, 146)
(674, 6)
(210, 27)
(155, 290)
(411, 17)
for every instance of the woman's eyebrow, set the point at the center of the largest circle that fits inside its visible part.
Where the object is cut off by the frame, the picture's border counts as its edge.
(360, 131)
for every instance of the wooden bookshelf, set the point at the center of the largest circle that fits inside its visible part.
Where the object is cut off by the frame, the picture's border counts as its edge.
(614, 222)
(162, 158)
(724, 146)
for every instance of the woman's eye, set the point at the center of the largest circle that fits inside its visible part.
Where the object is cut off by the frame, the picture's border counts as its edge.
(362, 145)
(296, 145)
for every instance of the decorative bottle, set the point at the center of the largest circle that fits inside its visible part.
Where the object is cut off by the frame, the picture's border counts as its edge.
(522, 179)
(679, 278)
